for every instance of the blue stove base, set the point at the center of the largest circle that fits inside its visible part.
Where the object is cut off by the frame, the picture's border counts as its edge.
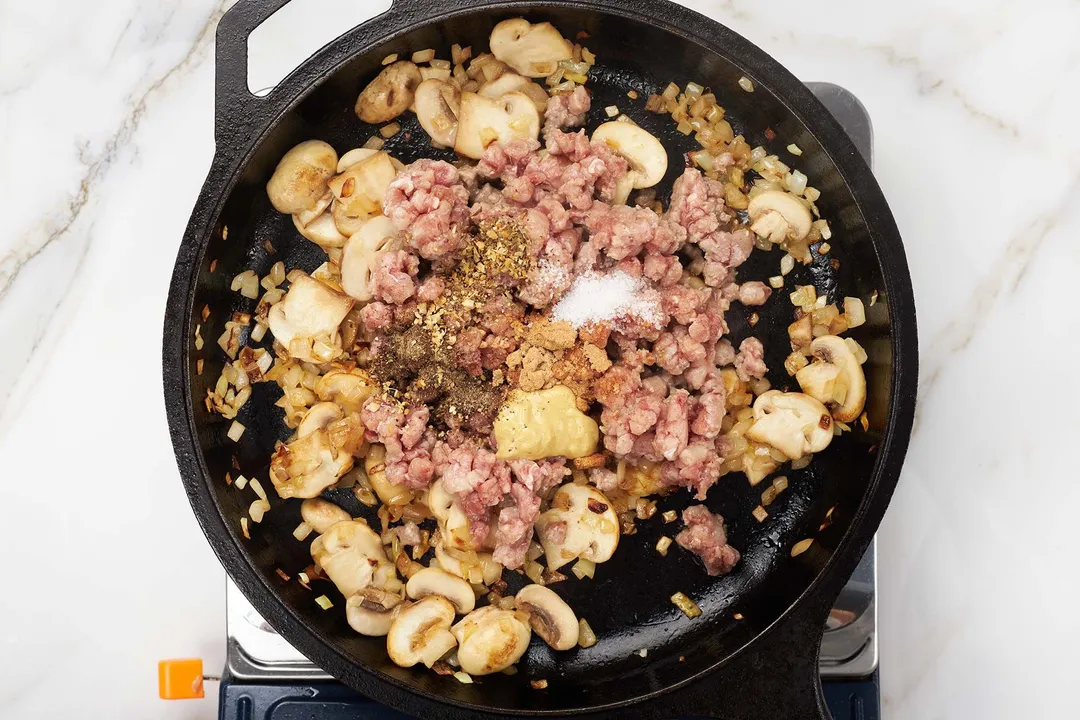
(847, 699)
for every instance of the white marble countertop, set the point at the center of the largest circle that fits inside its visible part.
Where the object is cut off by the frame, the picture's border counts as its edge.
(105, 138)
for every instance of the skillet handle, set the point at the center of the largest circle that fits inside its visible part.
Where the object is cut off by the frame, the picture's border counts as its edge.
(777, 679)
(235, 107)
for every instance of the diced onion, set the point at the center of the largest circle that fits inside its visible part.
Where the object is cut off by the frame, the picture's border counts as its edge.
(746, 84)
(703, 160)
(389, 131)
(688, 606)
(241, 482)
(611, 110)
(670, 516)
(800, 463)
(856, 350)
(794, 149)
(586, 636)
(535, 572)
(855, 312)
(258, 332)
(391, 58)
(663, 544)
(583, 568)
(244, 527)
(235, 431)
(258, 488)
(760, 513)
(423, 56)
(258, 509)
(374, 143)
(776, 282)
(787, 264)
(302, 531)
(796, 182)
(802, 546)
(324, 602)
(463, 677)
(780, 483)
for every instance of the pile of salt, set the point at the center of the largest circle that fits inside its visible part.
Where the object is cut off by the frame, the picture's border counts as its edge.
(594, 298)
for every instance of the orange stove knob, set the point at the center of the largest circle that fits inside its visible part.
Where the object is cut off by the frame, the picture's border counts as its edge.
(180, 679)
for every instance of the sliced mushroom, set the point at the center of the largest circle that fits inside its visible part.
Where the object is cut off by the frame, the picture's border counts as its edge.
(359, 191)
(322, 514)
(362, 254)
(490, 640)
(317, 417)
(345, 223)
(349, 389)
(532, 50)
(420, 632)
(322, 231)
(369, 612)
(624, 186)
(512, 82)
(778, 216)
(349, 552)
(476, 567)
(430, 73)
(437, 106)
(793, 423)
(835, 378)
(306, 217)
(309, 313)
(453, 523)
(389, 94)
(549, 615)
(646, 155)
(300, 178)
(375, 467)
(580, 524)
(482, 121)
(354, 157)
(433, 581)
(306, 466)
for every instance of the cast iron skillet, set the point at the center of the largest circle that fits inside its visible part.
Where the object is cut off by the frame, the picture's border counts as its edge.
(761, 666)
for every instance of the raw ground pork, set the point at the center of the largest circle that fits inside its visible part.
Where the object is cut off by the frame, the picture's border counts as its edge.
(663, 399)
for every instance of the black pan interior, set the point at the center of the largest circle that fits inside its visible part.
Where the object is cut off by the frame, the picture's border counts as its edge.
(628, 601)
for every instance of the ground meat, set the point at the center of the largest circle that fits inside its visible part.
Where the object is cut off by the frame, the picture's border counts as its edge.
(567, 110)
(664, 270)
(376, 316)
(515, 527)
(407, 534)
(624, 231)
(672, 428)
(506, 161)
(697, 205)
(467, 349)
(750, 362)
(754, 293)
(394, 280)
(431, 289)
(430, 204)
(704, 536)
(407, 439)
(697, 467)
(605, 480)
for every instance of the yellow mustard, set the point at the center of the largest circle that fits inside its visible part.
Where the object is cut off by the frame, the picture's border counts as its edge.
(542, 424)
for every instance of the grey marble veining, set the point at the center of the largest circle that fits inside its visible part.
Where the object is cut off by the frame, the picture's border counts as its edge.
(106, 135)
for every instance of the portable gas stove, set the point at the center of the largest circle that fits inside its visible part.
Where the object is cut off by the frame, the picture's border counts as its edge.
(265, 678)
